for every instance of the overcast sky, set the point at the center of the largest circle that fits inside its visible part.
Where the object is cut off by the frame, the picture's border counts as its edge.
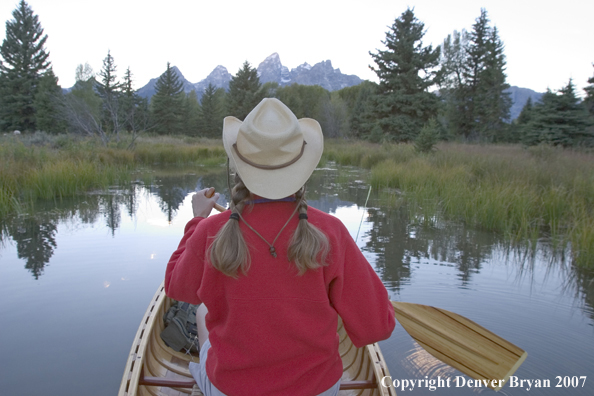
(546, 42)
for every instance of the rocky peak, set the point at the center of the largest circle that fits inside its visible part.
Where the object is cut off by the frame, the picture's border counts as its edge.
(270, 69)
(219, 78)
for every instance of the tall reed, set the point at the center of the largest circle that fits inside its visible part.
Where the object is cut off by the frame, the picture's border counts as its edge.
(541, 192)
(47, 167)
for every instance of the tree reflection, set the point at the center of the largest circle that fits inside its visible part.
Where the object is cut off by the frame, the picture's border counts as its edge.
(35, 239)
(35, 235)
(112, 212)
(173, 188)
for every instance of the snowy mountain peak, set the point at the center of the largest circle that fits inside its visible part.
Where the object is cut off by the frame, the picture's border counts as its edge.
(270, 70)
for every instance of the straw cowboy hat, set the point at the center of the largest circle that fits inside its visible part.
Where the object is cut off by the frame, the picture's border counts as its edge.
(273, 152)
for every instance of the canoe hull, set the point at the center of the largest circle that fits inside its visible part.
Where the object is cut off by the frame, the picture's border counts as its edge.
(150, 357)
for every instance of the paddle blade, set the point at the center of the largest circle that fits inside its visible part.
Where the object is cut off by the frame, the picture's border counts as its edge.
(461, 343)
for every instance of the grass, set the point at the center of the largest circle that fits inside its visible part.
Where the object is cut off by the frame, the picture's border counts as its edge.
(42, 166)
(526, 194)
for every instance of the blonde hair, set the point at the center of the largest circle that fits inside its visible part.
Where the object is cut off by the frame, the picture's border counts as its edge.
(229, 253)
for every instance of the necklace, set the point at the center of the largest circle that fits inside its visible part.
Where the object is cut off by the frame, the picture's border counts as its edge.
(271, 249)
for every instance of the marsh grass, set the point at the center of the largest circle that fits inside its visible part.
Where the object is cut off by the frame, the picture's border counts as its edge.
(540, 193)
(42, 166)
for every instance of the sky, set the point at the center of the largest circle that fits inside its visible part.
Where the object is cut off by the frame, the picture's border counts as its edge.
(546, 42)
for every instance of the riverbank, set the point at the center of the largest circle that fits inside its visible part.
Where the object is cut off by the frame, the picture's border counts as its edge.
(529, 195)
(42, 166)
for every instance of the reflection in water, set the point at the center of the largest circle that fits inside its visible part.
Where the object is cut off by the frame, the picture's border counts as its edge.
(397, 236)
(173, 188)
(35, 234)
(417, 256)
(35, 239)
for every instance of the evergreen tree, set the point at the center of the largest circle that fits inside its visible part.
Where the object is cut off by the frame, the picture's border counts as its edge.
(166, 103)
(109, 89)
(477, 105)
(559, 119)
(589, 100)
(406, 71)
(526, 113)
(129, 101)
(428, 137)
(48, 104)
(244, 92)
(494, 112)
(24, 61)
(211, 112)
(134, 108)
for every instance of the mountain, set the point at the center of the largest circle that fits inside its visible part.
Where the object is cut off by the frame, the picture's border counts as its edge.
(219, 78)
(322, 74)
(270, 70)
(519, 97)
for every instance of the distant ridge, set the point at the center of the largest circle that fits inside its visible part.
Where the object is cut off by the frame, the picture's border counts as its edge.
(269, 70)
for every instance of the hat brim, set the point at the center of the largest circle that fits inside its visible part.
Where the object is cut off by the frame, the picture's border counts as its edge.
(276, 183)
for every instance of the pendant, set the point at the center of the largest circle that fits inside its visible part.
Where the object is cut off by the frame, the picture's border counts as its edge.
(272, 251)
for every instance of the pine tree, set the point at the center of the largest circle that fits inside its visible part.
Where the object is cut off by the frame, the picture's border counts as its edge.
(589, 99)
(428, 137)
(476, 101)
(24, 61)
(211, 112)
(134, 108)
(244, 92)
(559, 119)
(494, 112)
(406, 71)
(128, 101)
(109, 89)
(166, 103)
(48, 104)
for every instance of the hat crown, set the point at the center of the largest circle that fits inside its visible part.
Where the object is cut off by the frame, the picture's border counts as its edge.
(270, 135)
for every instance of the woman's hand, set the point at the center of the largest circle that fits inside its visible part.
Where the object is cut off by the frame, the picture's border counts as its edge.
(201, 204)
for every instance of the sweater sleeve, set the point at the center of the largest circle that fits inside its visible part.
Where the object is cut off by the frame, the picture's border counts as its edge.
(359, 296)
(184, 269)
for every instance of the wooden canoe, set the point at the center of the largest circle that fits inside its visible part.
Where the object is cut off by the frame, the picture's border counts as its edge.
(155, 369)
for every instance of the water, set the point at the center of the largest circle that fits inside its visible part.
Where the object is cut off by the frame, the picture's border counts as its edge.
(76, 277)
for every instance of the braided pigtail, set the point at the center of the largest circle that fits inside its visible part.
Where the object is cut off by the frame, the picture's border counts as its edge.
(309, 246)
(229, 252)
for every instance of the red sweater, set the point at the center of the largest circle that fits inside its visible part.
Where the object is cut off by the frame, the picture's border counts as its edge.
(272, 331)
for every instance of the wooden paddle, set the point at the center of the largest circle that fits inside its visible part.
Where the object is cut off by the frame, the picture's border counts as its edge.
(461, 343)
(456, 340)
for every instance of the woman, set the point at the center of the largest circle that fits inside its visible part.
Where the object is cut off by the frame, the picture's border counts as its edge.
(272, 274)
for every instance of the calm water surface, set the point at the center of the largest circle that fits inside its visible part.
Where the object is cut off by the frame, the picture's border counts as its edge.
(76, 277)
